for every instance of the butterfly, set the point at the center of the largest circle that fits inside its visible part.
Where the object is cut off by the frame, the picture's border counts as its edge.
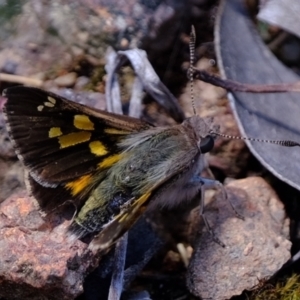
(112, 167)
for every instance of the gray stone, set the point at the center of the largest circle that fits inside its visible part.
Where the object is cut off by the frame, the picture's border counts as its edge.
(256, 247)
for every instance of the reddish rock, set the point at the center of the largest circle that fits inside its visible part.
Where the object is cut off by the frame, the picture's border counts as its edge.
(38, 261)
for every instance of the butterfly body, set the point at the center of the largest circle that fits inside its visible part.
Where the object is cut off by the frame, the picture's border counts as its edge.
(111, 166)
(165, 155)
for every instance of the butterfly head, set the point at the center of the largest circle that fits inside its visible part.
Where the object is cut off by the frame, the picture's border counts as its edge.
(202, 131)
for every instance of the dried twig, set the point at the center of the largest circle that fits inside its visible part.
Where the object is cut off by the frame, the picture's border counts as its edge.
(235, 86)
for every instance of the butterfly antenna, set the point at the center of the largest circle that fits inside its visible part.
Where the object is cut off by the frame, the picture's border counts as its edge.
(285, 143)
(192, 60)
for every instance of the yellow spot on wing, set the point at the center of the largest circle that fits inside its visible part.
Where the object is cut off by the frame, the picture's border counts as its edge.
(40, 107)
(79, 184)
(54, 132)
(109, 161)
(83, 122)
(52, 100)
(49, 104)
(97, 148)
(74, 138)
(116, 131)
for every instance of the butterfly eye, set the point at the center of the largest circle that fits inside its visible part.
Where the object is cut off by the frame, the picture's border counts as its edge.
(207, 144)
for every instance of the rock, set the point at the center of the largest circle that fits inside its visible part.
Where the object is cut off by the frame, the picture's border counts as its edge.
(66, 80)
(37, 261)
(256, 247)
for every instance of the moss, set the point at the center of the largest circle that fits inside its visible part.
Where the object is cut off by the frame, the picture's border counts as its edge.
(287, 289)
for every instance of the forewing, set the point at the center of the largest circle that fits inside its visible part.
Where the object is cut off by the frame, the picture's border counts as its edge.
(63, 143)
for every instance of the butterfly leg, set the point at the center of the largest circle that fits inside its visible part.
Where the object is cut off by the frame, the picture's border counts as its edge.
(207, 168)
(208, 184)
(215, 184)
(211, 184)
